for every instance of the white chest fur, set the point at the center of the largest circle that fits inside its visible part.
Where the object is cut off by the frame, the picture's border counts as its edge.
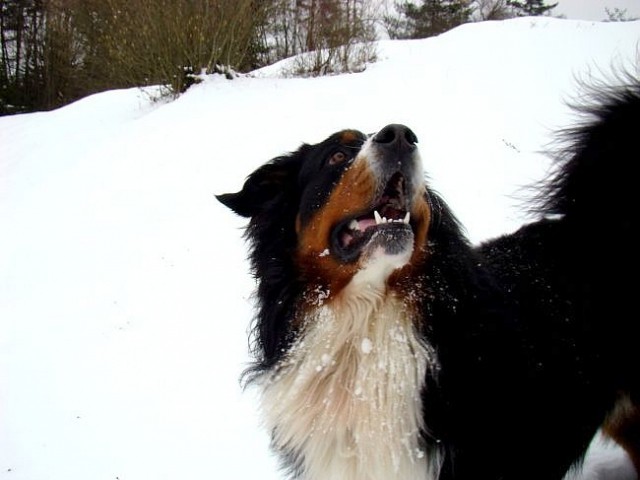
(345, 403)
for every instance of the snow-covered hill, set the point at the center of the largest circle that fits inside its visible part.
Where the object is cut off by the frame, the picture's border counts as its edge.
(124, 290)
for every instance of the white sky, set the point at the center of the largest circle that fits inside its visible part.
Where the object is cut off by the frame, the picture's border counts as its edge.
(595, 9)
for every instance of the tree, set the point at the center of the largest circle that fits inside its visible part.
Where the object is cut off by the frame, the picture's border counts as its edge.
(334, 35)
(22, 37)
(531, 7)
(492, 10)
(431, 17)
(618, 15)
(60, 55)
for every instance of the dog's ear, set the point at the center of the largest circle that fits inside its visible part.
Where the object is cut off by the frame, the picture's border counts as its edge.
(263, 185)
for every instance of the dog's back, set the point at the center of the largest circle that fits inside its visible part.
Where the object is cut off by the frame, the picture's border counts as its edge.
(572, 277)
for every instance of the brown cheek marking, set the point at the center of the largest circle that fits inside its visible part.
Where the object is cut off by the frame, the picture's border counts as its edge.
(421, 212)
(348, 136)
(351, 196)
(623, 425)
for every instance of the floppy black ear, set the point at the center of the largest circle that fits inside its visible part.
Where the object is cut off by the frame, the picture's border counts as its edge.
(262, 186)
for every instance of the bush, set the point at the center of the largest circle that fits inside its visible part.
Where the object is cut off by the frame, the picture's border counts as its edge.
(148, 42)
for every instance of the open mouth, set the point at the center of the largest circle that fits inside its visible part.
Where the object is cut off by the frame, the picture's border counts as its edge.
(389, 215)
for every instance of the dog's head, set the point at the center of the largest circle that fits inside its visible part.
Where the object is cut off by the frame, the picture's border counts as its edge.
(352, 208)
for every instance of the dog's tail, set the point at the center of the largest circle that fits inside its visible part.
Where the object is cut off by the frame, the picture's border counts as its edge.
(595, 185)
(596, 193)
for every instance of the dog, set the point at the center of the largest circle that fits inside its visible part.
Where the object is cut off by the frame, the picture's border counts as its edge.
(388, 347)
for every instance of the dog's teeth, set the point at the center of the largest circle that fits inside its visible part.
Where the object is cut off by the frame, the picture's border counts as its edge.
(380, 220)
(354, 224)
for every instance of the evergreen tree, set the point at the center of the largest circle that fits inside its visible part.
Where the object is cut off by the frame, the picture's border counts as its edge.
(531, 7)
(429, 18)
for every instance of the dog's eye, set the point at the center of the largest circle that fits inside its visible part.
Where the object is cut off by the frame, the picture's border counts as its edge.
(338, 158)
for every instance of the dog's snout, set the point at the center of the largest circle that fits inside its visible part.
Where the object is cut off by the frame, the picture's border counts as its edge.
(396, 136)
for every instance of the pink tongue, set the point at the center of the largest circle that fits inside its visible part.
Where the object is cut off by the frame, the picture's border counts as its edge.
(365, 223)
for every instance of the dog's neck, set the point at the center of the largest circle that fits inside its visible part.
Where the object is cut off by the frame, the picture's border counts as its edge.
(345, 403)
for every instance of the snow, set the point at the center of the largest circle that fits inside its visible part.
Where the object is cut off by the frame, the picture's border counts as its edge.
(366, 346)
(125, 296)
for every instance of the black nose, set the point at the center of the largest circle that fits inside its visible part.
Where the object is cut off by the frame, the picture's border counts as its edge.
(396, 136)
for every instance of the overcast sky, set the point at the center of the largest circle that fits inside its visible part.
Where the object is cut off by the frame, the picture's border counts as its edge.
(594, 9)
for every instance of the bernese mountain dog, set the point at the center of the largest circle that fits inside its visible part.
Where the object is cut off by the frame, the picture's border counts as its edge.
(388, 347)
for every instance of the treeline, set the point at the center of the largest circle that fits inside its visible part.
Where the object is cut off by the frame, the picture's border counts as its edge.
(433, 17)
(56, 51)
(53, 52)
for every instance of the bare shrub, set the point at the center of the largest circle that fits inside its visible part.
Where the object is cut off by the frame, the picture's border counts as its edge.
(337, 36)
(161, 41)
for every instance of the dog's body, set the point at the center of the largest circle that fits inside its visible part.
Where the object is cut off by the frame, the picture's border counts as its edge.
(388, 347)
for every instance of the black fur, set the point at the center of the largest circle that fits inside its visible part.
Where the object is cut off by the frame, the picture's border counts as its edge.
(272, 197)
(534, 331)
